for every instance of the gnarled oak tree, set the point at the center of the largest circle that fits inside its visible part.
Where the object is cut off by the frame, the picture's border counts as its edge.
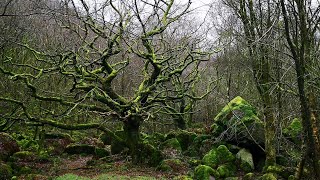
(106, 42)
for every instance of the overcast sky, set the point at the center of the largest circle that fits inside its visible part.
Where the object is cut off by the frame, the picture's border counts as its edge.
(200, 7)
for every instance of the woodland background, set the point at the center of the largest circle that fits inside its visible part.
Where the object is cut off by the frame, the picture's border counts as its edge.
(140, 73)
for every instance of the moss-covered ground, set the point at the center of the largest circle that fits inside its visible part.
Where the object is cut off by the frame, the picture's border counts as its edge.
(177, 154)
(84, 167)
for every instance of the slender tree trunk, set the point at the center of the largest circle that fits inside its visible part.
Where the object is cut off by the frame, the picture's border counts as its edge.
(279, 99)
(270, 132)
(261, 70)
(314, 118)
(299, 171)
(313, 149)
(264, 86)
(263, 80)
(301, 57)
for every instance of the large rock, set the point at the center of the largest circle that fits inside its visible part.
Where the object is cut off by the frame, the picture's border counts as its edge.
(154, 139)
(86, 149)
(171, 148)
(245, 159)
(172, 144)
(268, 176)
(23, 156)
(282, 171)
(8, 146)
(57, 142)
(218, 156)
(24, 162)
(227, 170)
(173, 165)
(203, 172)
(184, 137)
(241, 122)
(195, 149)
(249, 176)
(151, 155)
(5, 171)
(238, 124)
(80, 149)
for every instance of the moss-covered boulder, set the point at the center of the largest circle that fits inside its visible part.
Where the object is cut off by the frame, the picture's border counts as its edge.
(80, 149)
(172, 144)
(5, 171)
(282, 171)
(172, 165)
(268, 176)
(292, 177)
(218, 156)
(25, 170)
(245, 160)
(194, 150)
(86, 149)
(154, 139)
(101, 152)
(23, 156)
(249, 176)
(164, 167)
(25, 162)
(184, 137)
(240, 120)
(227, 170)
(57, 142)
(211, 159)
(150, 155)
(203, 172)
(8, 146)
(294, 131)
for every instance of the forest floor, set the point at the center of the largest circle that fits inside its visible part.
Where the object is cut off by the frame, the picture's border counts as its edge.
(88, 166)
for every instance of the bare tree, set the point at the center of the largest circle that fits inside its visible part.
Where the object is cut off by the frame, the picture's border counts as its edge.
(258, 18)
(301, 21)
(111, 39)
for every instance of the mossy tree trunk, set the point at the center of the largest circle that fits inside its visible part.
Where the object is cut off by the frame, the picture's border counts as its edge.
(300, 40)
(258, 54)
(131, 127)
